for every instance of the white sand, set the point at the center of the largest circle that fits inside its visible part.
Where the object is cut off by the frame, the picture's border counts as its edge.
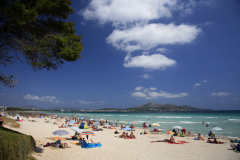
(117, 148)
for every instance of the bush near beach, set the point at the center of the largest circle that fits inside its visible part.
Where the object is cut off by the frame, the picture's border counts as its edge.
(15, 145)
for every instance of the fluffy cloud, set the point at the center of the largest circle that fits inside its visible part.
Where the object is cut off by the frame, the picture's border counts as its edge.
(139, 94)
(162, 50)
(155, 61)
(125, 11)
(51, 99)
(138, 88)
(166, 95)
(151, 35)
(146, 76)
(150, 94)
(220, 94)
(152, 88)
(3, 94)
(197, 84)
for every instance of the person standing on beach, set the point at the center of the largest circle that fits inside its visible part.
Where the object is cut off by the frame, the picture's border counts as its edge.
(1, 120)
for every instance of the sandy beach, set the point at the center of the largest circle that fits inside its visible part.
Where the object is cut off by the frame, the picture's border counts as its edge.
(118, 148)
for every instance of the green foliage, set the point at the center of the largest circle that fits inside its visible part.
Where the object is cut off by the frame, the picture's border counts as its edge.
(35, 30)
(14, 145)
(10, 122)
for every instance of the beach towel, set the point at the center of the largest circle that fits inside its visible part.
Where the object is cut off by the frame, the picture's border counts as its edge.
(183, 142)
(62, 127)
(173, 143)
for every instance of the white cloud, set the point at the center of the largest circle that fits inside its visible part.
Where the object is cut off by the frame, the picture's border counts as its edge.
(125, 11)
(220, 94)
(152, 88)
(155, 61)
(3, 94)
(51, 99)
(162, 50)
(166, 95)
(139, 94)
(138, 88)
(196, 99)
(197, 84)
(84, 102)
(146, 76)
(205, 81)
(150, 94)
(151, 35)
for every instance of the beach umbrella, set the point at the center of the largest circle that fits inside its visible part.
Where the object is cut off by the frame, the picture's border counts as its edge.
(126, 129)
(177, 127)
(129, 123)
(155, 124)
(71, 121)
(167, 132)
(88, 133)
(76, 129)
(125, 122)
(216, 129)
(60, 132)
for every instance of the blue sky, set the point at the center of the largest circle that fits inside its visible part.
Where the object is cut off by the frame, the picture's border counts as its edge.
(136, 51)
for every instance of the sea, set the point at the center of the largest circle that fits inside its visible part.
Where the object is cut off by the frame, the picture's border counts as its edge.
(196, 122)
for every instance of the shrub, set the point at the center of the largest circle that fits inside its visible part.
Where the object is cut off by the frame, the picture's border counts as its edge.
(15, 145)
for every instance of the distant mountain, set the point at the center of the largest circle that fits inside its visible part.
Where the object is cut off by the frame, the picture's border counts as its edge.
(150, 106)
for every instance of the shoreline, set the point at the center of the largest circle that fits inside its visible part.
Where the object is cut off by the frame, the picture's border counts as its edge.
(36, 113)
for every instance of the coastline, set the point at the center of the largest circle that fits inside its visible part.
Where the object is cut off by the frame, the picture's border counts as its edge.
(118, 148)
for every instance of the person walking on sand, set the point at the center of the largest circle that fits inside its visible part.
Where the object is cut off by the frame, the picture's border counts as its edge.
(1, 120)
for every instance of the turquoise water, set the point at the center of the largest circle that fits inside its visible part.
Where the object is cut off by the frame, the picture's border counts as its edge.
(229, 121)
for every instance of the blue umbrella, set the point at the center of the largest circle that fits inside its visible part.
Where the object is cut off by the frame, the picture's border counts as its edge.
(127, 129)
(71, 121)
(60, 132)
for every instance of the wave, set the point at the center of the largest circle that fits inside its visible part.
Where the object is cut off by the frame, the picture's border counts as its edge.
(171, 117)
(166, 122)
(212, 117)
(188, 122)
(235, 120)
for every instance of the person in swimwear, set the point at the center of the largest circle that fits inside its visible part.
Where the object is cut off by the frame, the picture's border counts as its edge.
(132, 135)
(172, 140)
(199, 137)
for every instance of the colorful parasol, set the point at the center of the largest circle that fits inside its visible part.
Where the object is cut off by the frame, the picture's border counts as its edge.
(167, 132)
(88, 133)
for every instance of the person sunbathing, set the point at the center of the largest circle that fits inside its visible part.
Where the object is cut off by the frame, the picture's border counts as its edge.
(123, 135)
(145, 132)
(93, 142)
(64, 145)
(132, 135)
(199, 137)
(237, 146)
(172, 140)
